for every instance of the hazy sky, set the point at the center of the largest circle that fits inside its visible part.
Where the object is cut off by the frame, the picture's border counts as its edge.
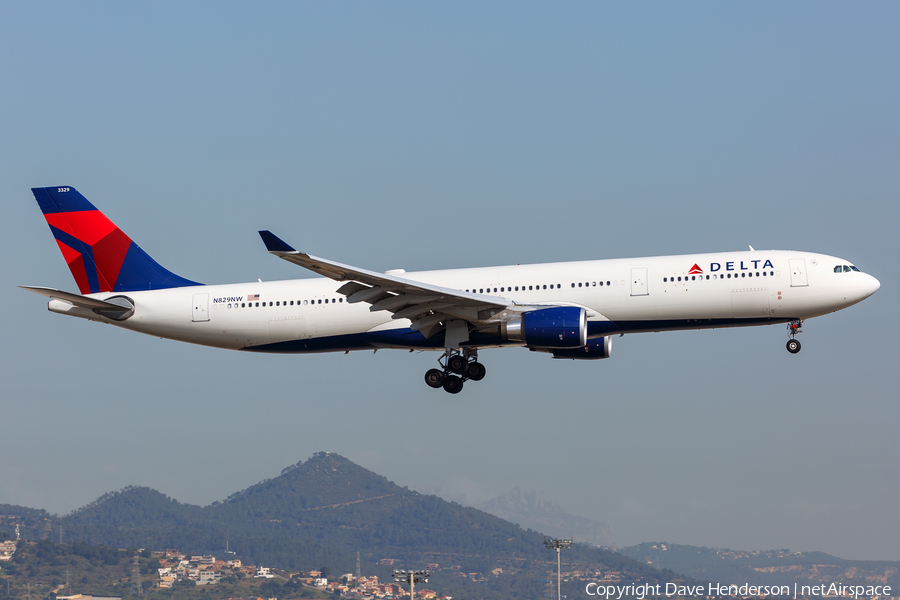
(431, 135)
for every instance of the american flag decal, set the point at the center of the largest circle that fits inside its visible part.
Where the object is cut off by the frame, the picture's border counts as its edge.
(252, 296)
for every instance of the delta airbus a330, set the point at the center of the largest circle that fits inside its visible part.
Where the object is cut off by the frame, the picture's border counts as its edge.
(569, 310)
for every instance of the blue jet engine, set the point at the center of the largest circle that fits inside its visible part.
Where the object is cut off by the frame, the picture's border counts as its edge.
(557, 327)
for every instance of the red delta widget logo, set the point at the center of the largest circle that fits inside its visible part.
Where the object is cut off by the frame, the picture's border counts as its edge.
(730, 266)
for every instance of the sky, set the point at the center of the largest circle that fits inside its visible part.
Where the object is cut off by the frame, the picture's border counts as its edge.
(442, 135)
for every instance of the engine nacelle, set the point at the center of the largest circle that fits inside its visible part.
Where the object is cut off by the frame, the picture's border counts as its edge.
(595, 349)
(557, 327)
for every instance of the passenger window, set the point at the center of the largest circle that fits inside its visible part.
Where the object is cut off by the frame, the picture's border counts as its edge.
(707, 277)
(579, 284)
(607, 283)
(320, 302)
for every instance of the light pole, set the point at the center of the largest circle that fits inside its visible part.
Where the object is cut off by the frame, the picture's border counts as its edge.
(550, 543)
(412, 578)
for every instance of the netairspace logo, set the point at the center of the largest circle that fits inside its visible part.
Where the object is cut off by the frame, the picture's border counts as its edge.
(642, 591)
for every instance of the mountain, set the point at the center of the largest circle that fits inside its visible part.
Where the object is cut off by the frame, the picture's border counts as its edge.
(764, 567)
(531, 510)
(322, 511)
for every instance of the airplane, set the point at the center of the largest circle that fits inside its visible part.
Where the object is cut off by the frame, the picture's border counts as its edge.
(570, 310)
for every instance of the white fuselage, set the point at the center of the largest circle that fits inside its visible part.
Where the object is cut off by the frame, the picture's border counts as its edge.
(621, 295)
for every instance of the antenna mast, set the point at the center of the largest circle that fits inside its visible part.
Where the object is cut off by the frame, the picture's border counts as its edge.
(137, 588)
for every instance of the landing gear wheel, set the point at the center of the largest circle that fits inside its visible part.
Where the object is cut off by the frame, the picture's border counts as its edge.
(453, 384)
(434, 378)
(475, 371)
(793, 346)
(456, 364)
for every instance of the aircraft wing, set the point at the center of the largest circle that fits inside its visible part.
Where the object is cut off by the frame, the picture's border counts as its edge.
(429, 307)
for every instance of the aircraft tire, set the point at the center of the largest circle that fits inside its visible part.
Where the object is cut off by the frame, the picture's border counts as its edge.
(475, 371)
(793, 346)
(434, 378)
(453, 384)
(457, 364)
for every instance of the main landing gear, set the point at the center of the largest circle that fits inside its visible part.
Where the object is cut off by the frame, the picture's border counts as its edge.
(456, 368)
(793, 345)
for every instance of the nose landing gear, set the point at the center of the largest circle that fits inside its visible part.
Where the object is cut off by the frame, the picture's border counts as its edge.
(793, 345)
(456, 368)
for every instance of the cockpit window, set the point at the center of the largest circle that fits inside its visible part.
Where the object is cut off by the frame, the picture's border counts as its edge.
(846, 269)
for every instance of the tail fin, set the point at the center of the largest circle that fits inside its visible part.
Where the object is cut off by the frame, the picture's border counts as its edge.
(100, 256)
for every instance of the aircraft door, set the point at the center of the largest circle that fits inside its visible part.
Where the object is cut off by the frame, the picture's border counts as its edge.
(798, 272)
(201, 308)
(639, 281)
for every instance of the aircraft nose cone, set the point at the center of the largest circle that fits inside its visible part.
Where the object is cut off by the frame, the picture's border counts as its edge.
(872, 285)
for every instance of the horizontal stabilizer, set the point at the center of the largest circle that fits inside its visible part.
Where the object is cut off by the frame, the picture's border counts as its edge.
(73, 299)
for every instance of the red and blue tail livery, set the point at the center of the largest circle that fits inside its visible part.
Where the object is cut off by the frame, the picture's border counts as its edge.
(101, 257)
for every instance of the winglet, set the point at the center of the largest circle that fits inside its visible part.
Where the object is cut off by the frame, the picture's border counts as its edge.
(274, 243)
